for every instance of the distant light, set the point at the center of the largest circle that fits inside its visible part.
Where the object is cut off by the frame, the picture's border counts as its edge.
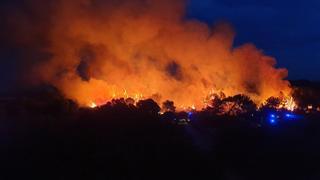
(272, 115)
(292, 116)
(189, 115)
(272, 121)
(92, 105)
(310, 107)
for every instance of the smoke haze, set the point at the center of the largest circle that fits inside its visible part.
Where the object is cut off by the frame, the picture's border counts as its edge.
(94, 50)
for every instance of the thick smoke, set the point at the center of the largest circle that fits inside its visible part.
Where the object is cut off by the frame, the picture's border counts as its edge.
(94, 50)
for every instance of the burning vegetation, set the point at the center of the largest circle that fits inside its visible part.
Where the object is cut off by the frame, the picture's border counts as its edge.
(132, 86)
(96, 51)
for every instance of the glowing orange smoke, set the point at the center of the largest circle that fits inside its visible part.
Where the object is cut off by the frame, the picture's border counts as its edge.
(102, 50)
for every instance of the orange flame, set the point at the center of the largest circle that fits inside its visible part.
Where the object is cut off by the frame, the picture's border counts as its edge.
(147, 49)
(92, 105)
(288, 103)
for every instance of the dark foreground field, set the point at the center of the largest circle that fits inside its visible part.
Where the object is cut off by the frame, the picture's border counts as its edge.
(61, 141)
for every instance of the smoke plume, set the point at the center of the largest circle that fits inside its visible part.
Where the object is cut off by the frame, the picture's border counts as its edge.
(94, 50)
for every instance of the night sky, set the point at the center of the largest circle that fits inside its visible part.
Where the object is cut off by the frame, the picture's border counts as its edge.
(288, 30)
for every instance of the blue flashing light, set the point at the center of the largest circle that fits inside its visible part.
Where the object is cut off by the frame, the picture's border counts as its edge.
(272, 121)
(272, 115)
(289, 115)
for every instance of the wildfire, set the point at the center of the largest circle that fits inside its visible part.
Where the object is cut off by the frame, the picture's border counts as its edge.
(93, 105)
(288, 103)
(148, 49)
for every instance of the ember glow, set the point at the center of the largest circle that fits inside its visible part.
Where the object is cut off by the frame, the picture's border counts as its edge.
(92, 105)
(289, 104)
(101, 50)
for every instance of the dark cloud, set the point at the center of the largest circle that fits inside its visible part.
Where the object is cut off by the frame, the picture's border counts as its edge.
(288, 30)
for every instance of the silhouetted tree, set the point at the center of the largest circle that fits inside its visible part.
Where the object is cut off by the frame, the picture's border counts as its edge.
(238, 104)
(215, 104)
(130, 101)
(168, 106)
(272, 102)
(306, 96)
(149, 106)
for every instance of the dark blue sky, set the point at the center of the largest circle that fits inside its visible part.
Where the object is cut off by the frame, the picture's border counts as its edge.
(288, 30)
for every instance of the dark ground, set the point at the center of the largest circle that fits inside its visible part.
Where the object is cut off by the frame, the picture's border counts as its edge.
(54, 139)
